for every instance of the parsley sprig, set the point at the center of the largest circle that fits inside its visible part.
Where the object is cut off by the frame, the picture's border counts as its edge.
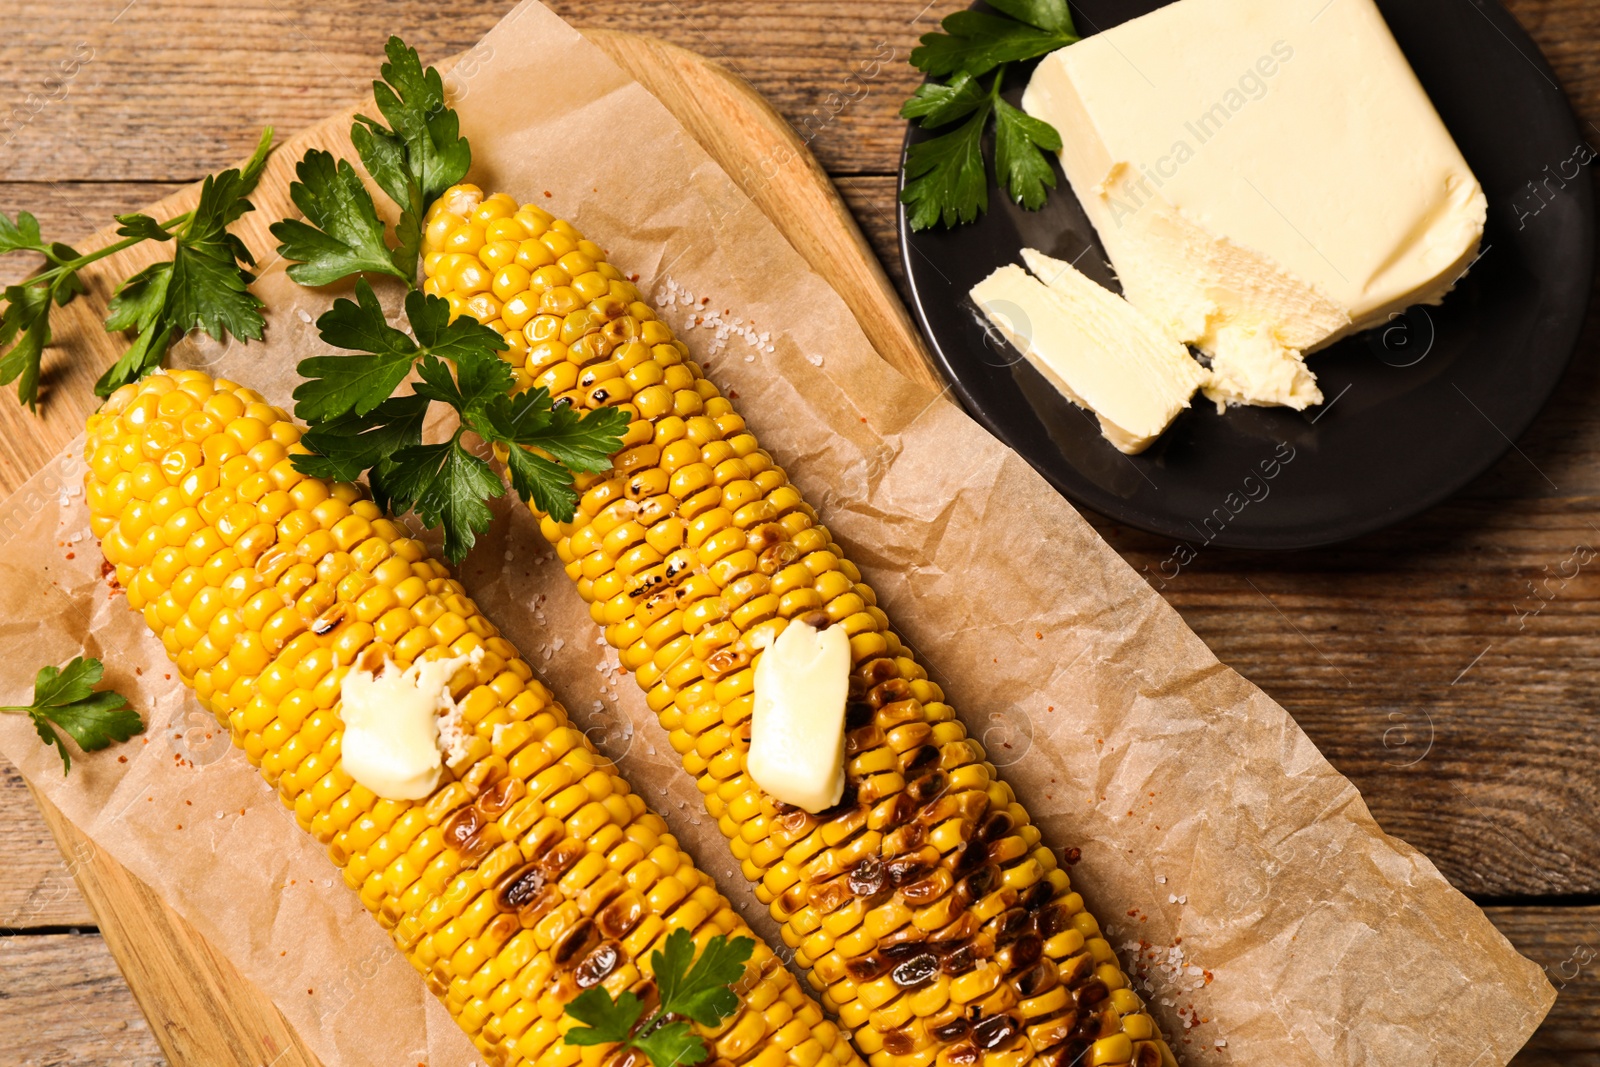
(691, 991)
(945, 176)
(358, 426)
(414, 159)
(203, 285)
(64, 698)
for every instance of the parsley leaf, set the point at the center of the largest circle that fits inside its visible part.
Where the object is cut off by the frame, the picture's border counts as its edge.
(543, 481)
(344, 447)
(529, 421)
(412, 99)
(420, 154)
(691, 990)
(1045, 14)
(605, 1020)
(208, 285)
(138, 305)
(1019, 146)
(672, 1045)
(343, 385)
(699, 988)
(344, 235)
(447, 486)
(204, 286)
(22, 235)
(583, 444)
(64, 700)
(945, 178)
(356, 425)
(976, 42)
(26, 320)
(143, 227)
(414, 159)
(938, 105)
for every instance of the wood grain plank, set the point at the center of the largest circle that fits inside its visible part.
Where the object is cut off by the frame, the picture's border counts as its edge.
(205, 1012)
(36, 886)
(835, 70)
(1566, 942)
(67, 1006)
(287, 61)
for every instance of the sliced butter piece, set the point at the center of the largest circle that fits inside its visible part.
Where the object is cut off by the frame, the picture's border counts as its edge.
(797, 725)
(391, 740)
(1101, 352)
(1267, 176)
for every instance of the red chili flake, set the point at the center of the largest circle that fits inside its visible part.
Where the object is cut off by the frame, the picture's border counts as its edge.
(1039, 634)
(122, 759)
(168, 677)
(733, 394)
(72, 555)
(189, 802)
(548, 193)
(180, 826)
(1052, 707)
(138, 670)
(1208, 976)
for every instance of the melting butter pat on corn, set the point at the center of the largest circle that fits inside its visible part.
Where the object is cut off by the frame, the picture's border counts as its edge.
(797, 726)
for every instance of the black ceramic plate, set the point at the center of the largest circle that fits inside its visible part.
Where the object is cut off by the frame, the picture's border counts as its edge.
(1413, 412)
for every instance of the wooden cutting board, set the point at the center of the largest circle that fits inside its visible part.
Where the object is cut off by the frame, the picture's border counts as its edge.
(200, 1009)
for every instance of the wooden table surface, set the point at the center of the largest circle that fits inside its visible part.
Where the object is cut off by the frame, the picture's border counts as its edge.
(1449, 666)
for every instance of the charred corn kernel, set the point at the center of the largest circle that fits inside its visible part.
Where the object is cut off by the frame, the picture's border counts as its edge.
(753, 557)
(314, 579)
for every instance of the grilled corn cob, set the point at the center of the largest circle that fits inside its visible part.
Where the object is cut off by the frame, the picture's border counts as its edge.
(532, 872)
(931, 919)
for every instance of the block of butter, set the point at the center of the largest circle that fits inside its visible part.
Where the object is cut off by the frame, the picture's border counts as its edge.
(1100, 351)
(1267, 176)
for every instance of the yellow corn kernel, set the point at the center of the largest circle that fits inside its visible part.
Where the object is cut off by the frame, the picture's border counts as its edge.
(231, 555)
